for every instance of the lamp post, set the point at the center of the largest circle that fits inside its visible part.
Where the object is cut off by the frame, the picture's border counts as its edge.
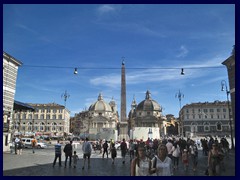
(65, 96)
(180, 95)
(224, 85)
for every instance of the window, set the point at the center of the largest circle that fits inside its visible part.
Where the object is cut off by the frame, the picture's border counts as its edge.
(219, 127)
(42, 116)
(35, 116)
(192, 110)
(224, 110)
(211, 110)
(193, 116)
(218, 110)
(60, 116)
(211, 116)
(48, 116)
(60, 110)
(30, 116)
(54, 116)
(24, 116)
(54, 110)
(187, 111)
(42, 110)
(42, 126)
(205, 116)
(148, 113)
(205, 110)
(48, 110)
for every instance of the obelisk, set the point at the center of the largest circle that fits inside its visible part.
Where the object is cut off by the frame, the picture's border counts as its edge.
(123, 122)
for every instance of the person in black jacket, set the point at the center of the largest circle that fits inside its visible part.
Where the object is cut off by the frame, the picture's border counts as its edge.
(68, 153)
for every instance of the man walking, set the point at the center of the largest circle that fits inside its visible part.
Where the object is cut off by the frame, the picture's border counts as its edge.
(58, 153)
(68, 153)
(123, 150)
(34, 143)
(87, 150)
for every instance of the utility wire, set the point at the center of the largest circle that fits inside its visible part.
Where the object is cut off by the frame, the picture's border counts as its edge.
(65, 67)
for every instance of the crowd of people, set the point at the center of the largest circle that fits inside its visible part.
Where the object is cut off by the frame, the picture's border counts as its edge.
(158, 157)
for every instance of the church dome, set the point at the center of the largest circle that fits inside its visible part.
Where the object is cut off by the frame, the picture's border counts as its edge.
(100, 105)
(148, 104)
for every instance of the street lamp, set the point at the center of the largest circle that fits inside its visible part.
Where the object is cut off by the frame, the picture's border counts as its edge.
(224, 85)
(180, 95)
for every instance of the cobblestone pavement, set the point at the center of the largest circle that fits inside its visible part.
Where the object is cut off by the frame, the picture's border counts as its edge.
(40, 164)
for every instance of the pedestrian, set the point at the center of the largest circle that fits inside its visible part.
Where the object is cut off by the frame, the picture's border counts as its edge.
(194, 154)
(161, 164)
(175, 155)
(68, 153)
(20, 147)
(87, 150)
(214, 161)
(58, 153)
(185, 160)
(105, 149)
(34, 144)
(141, 163)
(75, 159)
(169, 146)
(131, 149)
(123, 147)
(16, 143)
(113, 153)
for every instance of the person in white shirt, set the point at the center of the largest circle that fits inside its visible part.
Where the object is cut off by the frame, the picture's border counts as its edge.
(140, 165)
(87, 150)
(161, 165)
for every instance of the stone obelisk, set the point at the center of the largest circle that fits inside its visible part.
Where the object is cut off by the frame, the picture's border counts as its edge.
(123, 122)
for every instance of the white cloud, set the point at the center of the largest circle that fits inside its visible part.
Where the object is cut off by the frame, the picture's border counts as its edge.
(106, 9)
(183, 52)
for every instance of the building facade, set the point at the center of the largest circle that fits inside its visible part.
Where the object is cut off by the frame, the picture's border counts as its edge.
(146, 119)
(230, 65)
(204, 119)
(98, 122)
(10, 69)
(48, 119)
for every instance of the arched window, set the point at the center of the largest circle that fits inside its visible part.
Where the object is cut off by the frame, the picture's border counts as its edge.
(54, 126)
(219, 126)
(42, 125)
(29, 126)
(206, 126)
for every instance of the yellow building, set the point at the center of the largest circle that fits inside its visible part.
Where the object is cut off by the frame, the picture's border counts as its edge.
(48, 119)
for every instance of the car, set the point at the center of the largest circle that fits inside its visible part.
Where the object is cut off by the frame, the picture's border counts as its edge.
(41, 145)
(27, 143)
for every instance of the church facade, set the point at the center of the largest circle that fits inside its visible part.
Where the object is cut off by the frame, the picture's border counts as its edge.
(146, 119)
(98, 122)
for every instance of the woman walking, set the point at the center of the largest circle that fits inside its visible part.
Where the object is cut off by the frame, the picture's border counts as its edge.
(214, 161)
(161, 165)
(140, 164)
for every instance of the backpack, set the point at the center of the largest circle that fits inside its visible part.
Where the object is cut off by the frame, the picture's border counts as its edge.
(87, 148)
(105, 146)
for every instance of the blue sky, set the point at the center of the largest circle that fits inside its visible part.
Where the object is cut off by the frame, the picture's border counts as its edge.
(91, 37)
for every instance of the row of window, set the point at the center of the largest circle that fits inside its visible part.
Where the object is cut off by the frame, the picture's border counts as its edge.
(39, 128)
(48, 110)
(206, 116)
(206, 110)
(36, 116)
